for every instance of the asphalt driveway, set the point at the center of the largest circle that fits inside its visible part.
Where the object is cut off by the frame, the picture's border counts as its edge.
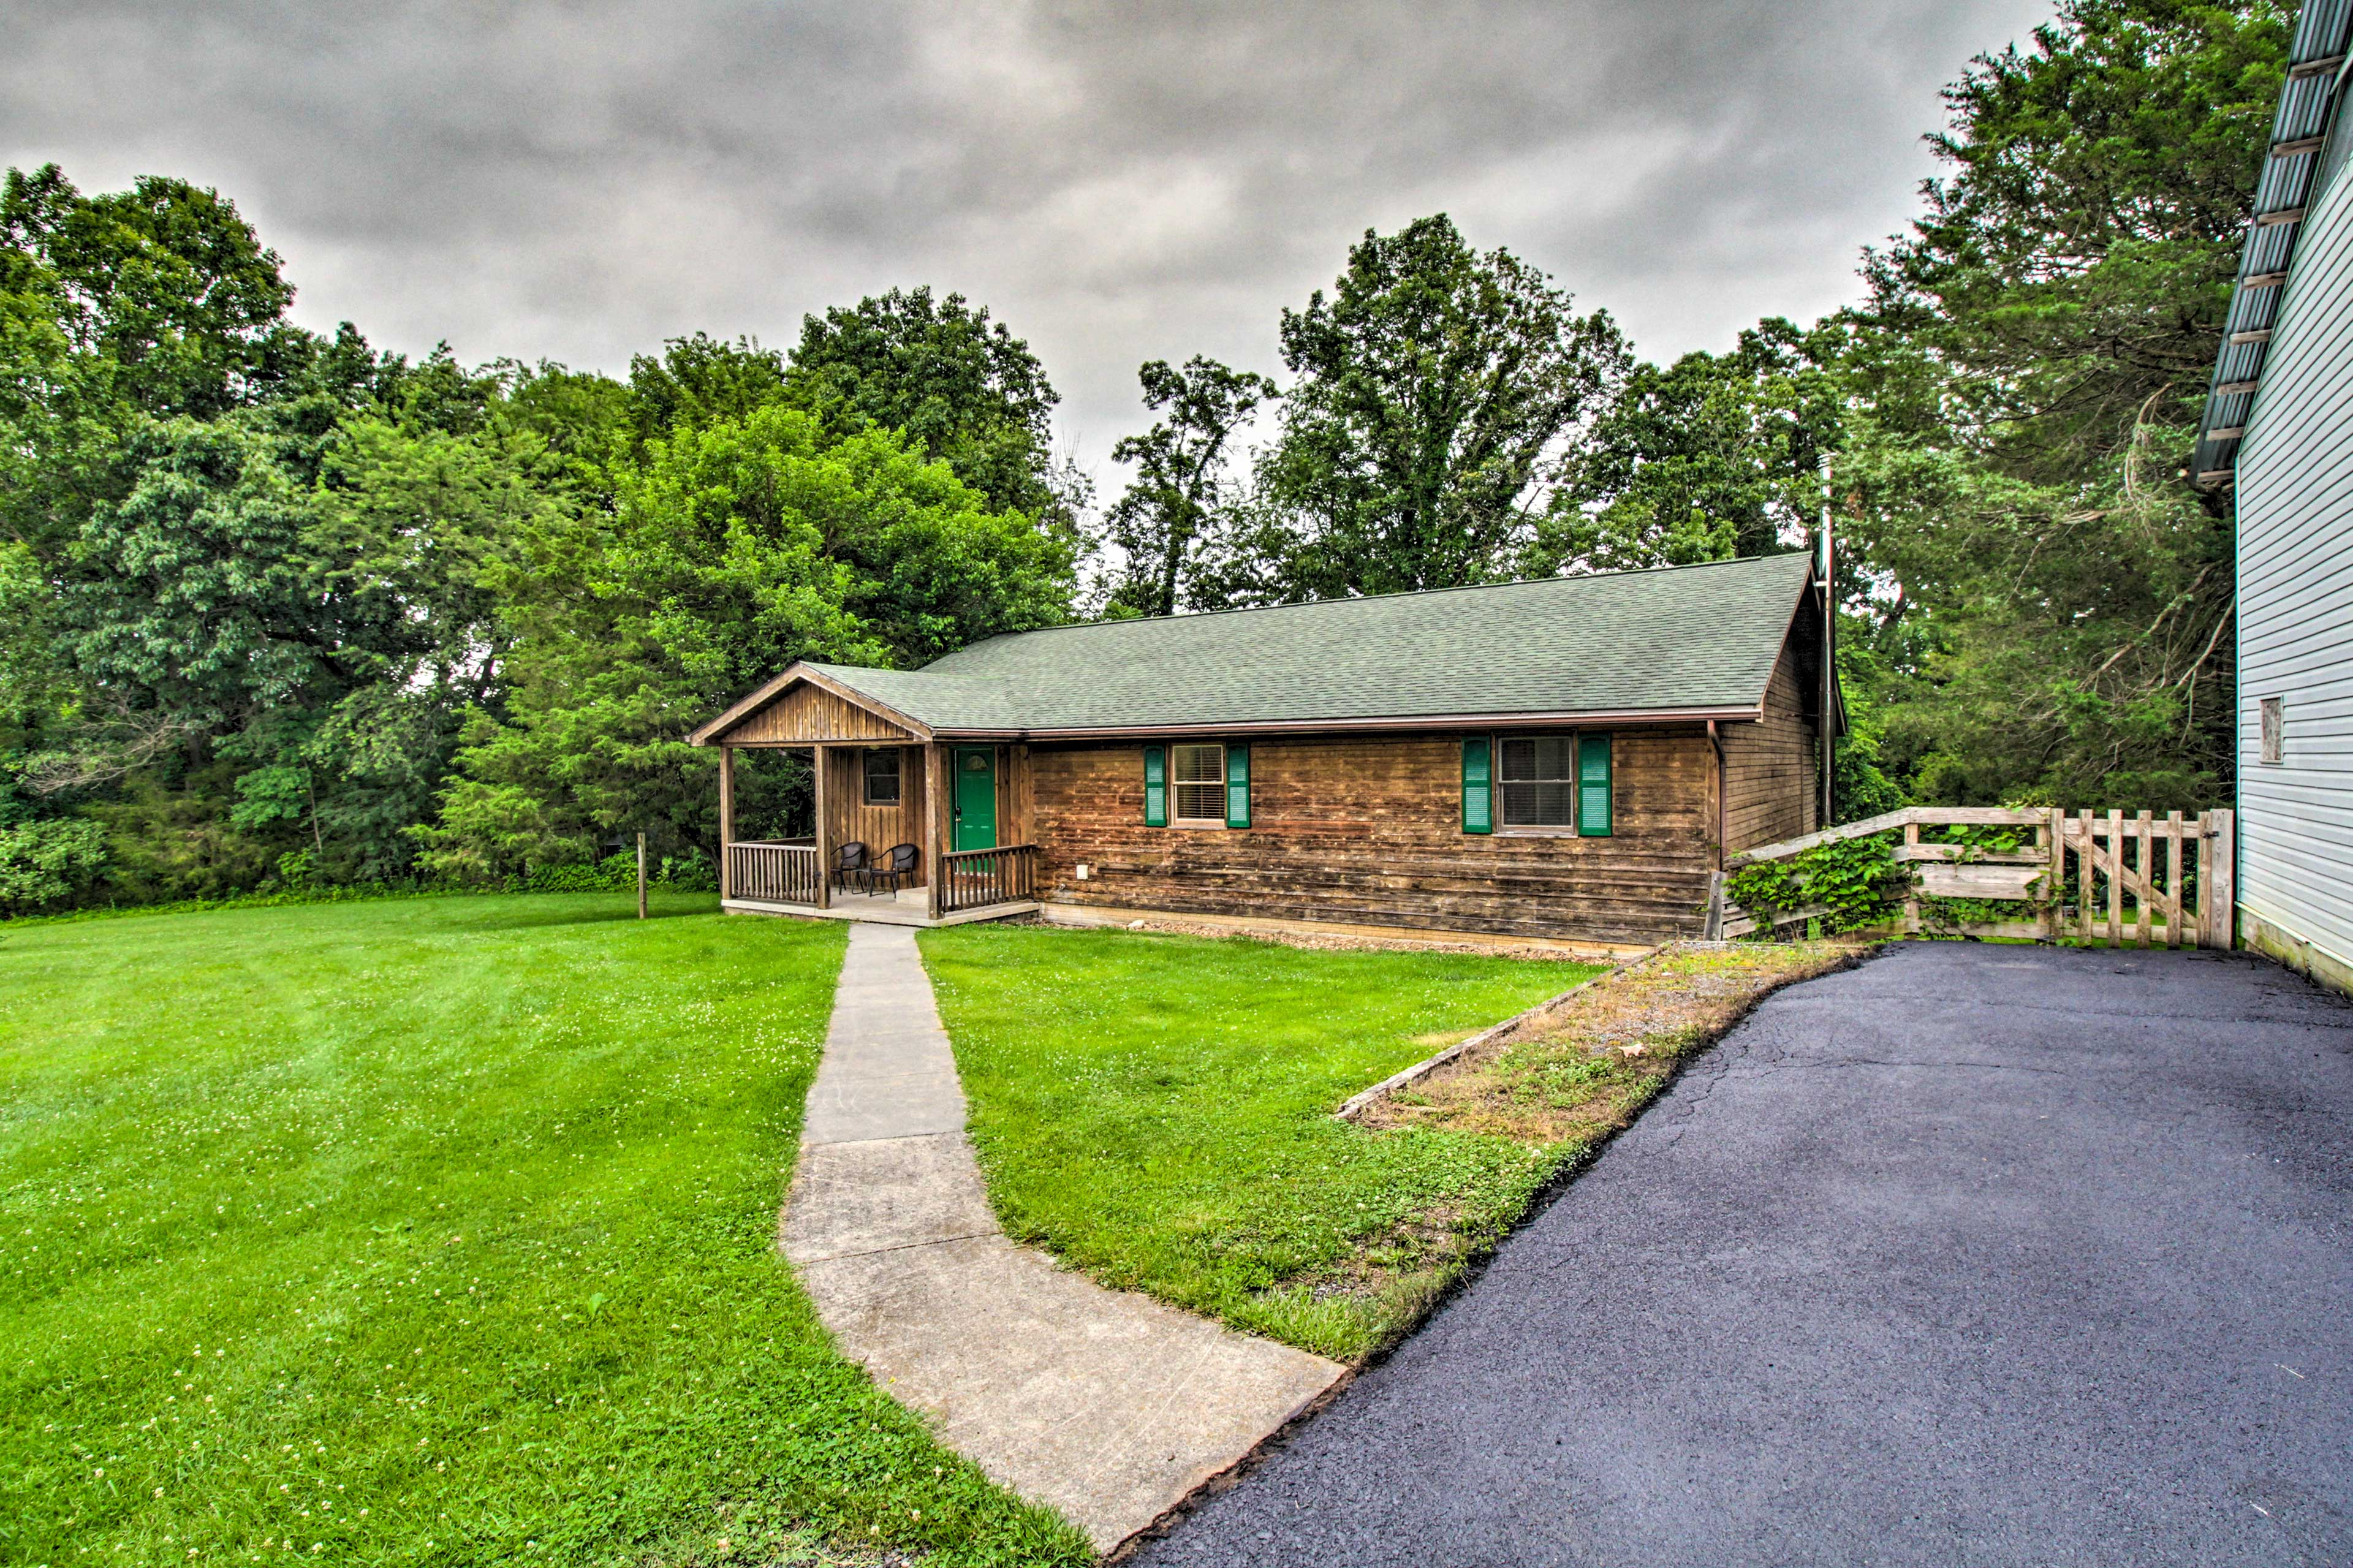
(1973, 1255)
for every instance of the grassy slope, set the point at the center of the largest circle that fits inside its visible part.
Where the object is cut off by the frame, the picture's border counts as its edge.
(1157, 1110)
(435, 1231)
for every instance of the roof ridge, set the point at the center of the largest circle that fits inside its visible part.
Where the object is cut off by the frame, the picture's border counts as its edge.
(1399, 594)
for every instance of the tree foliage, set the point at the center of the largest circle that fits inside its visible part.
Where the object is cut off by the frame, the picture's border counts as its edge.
(2025, 386)
(738, 547)
(1171, 521)
(1435, 389)
(283, 609)
(278, 608)
(1714, 456)
(963, 389)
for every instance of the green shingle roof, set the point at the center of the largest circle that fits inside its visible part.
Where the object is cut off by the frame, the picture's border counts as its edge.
(1685, 637)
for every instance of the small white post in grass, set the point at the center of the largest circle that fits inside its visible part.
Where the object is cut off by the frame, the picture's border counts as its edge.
(641, 876)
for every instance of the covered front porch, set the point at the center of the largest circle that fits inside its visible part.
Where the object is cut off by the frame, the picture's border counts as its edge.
(909, 828)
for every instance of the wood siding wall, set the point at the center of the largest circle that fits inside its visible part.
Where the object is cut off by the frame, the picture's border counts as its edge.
(1772, 771)
(1015, 796)
(1368, 831)
(2295, 594)
(807, 713)
(876, 827)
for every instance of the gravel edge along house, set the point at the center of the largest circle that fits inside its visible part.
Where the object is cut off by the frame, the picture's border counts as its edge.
(1566, 759)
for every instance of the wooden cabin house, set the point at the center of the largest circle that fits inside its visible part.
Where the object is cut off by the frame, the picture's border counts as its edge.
(1569, 758)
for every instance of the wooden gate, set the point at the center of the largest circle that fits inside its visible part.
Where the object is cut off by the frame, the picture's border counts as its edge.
(2097, 877)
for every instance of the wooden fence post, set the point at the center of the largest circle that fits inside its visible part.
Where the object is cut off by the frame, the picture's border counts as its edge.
(2117, 879)
(2218, 889)
(2172, 904)
(1912, 900)
(2086, 867)
(2054, 879)
(2147, 881)
(641, 876)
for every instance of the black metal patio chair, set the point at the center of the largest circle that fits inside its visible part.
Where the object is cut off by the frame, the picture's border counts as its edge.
(850, 864)
(895, 867)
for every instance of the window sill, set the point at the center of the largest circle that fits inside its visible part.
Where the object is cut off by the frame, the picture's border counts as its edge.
(1200, 827)
(1537, 833)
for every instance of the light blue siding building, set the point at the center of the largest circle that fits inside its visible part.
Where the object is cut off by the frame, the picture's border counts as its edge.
(2279, 426)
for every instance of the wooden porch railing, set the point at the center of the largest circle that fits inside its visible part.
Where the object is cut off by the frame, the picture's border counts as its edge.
(773, 873)
(2075, 878)
(970, 879)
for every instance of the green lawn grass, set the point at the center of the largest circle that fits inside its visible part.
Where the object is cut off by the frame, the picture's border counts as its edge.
(1157, 1110)
(433, 1231)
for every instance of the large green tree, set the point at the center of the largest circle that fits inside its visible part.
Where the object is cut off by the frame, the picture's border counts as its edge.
(1437, 390)
(164, 282)
(2074, 263)
(245, 563)
(738, 547)
(1168, 519)
(697, 379)
(2025, 386)
(962, 387)
(1714, 456)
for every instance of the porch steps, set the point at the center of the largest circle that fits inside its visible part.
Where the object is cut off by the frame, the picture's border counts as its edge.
(879, 908)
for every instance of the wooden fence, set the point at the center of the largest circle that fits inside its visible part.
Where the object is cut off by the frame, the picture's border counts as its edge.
(972, 877)
(771, 873)
(2099, 878)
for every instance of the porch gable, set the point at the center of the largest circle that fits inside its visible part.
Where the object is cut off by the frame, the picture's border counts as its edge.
(801, 708)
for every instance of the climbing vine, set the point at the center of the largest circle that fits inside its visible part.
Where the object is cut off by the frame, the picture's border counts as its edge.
(1847, 883)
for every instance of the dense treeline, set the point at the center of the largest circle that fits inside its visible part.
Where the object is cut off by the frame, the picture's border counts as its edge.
(283, 610)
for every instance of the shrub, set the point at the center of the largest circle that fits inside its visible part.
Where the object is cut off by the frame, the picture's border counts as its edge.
(48, 863)
(617, 873)
(45, 864)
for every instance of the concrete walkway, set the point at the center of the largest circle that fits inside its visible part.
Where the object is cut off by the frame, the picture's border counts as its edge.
(1110, 1408)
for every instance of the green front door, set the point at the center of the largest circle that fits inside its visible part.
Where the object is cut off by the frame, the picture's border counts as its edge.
(976, 797)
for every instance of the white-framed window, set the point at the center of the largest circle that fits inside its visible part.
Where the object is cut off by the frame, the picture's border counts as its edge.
(882, 776)
(2273, 713)
(1199, 772)
(1537, 782)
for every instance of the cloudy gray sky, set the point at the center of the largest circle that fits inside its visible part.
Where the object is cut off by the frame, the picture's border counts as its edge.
(578, 179)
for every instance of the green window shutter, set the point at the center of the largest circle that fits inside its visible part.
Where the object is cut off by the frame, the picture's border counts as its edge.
(1478, 785)
(1593, 786)
(1155, 786)
(1237, 786)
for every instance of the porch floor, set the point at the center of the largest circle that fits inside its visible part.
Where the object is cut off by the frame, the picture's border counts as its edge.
(879, 908)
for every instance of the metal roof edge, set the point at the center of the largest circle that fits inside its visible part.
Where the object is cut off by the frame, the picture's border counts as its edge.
(2318, 63)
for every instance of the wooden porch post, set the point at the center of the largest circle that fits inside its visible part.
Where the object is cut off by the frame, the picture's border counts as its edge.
(726, 819)
(824, 829)
(935, 804)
